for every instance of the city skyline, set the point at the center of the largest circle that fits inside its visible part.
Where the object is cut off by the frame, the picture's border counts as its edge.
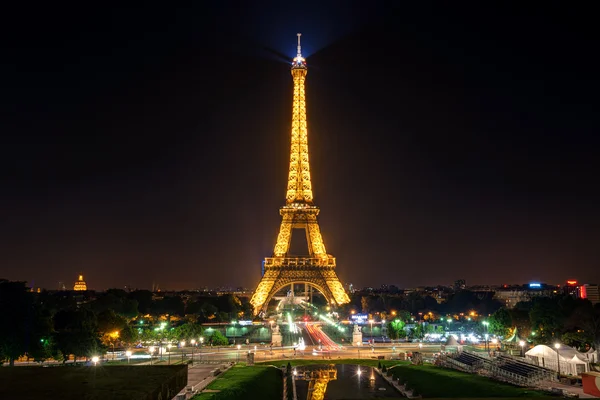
(442, 146)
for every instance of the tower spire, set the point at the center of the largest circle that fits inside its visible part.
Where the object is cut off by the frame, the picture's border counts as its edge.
(299, 187)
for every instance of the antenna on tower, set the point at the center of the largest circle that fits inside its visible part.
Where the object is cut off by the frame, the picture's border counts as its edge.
(299, 48)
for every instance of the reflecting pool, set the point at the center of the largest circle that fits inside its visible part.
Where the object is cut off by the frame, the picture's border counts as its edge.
(337, 382)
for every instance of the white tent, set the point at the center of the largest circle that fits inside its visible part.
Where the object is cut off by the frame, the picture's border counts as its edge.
(451, 341)
(592, 355)
(571, 361)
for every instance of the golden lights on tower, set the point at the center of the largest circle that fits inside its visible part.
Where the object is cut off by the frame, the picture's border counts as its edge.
(317, 269)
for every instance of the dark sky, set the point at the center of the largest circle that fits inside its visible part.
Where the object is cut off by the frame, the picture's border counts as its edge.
(447, 141)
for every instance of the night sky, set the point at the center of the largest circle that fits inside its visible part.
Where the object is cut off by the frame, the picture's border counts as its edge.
(447, 141)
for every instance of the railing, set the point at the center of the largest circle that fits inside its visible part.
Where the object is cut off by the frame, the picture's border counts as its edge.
(299, 262)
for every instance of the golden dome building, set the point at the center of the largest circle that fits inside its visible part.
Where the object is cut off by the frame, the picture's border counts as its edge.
(80, 284)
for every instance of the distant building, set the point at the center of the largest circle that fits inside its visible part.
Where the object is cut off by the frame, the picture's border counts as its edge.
(511, 295)
(571, 288)
(80, 284)
(590, 292)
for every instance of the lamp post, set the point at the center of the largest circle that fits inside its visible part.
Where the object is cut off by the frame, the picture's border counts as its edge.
(495, 343)
(151, 353)
(128, 354)
(371, 322)
(169, 350)
(201, 341)
(485, 324)
(522, 343)
(95, 360)
(193, 342)
(238, 352)
(557, 346)
(182, 350)
(233, 325)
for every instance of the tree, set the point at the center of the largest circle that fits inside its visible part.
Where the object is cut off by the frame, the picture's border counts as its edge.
(41, 345)
(500, 322)
(144, 300)
(117, 301)
(77, 333)
(395, 329)
(215, 338)
(128, 335)
(17, 314)
(365, 304)
(586, 318)
(419, 331)
(188, 331)
(547, 318)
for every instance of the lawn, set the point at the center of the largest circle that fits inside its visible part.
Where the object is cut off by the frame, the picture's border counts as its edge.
(241, 382)
(69, 382)
(435, 382)
(431, 381)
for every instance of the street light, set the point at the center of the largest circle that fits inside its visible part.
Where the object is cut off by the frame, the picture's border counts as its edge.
(169, 350)
(233, 325)
(128, 354)
(557, 346)
(95, 360)
(521, 343)
(371, 322)
(193, 342)
(151, 353)
(182, 349)
(486, 323)
(201, 341)
(239, 346)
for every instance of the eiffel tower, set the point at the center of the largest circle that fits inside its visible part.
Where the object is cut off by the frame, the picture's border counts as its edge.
(317, 268)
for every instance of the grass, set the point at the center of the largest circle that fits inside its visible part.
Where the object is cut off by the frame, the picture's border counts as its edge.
(435, 382)
(91, 383)
(431, 381)
(241, 382)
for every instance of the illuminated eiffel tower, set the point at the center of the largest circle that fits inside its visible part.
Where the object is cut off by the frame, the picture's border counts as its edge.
(317, 268)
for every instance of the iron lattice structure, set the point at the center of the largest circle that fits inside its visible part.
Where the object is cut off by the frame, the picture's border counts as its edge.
(317, 268)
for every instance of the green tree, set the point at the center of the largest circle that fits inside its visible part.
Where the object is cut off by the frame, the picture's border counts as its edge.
(419, 331)
(396, 330)
(547, 318)
(586, 319)
(116, 300)
(500, 322)
(215, 338)
(129, 336)
(41, 346)
(188, 331)
(17, 314)
(76, 332)
(144, 300)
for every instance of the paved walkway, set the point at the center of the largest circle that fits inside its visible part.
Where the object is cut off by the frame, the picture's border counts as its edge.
(568, 388)
(199, 376)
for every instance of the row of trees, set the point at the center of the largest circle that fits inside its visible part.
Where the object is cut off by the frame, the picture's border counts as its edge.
(545, 320)
(396, 330)
(54, 325)
(414, 303)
